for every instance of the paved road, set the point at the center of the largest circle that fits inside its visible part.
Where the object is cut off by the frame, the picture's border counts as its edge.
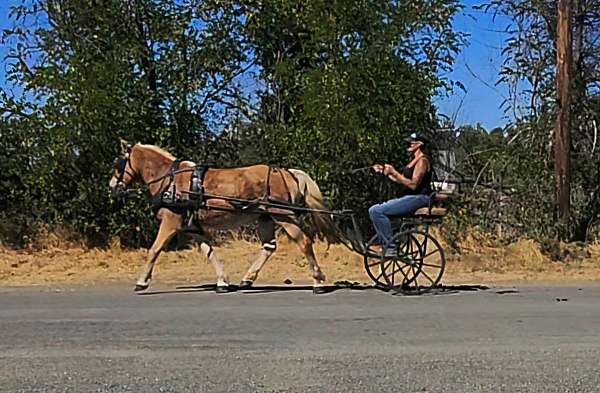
(106, 339)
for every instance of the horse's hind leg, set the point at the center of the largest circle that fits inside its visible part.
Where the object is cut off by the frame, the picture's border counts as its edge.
(170, 223)
(266, 233)
(222, 280)
(306, 246)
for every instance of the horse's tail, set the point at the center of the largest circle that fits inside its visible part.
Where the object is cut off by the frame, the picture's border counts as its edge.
(322, 222)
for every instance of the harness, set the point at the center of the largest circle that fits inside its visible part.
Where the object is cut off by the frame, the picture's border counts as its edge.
(267, 197)
(164, 195)
(197, 182)
(167, 196)
(189, 202)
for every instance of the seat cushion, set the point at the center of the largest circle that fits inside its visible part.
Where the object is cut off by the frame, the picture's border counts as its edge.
(441, 196)
(435, 211)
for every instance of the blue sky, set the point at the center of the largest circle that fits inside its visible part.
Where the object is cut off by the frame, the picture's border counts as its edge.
(4, 23)
(476, 67)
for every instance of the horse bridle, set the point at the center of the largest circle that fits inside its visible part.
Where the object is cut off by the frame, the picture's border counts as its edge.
(123, 166)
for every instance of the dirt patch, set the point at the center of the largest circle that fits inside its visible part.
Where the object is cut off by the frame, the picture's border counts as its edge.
(477, 263)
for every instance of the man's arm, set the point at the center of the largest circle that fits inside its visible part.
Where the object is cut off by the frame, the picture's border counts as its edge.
(419, 172)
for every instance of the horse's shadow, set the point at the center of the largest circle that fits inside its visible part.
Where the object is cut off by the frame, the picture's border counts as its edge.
(341, 285)
(258, 289)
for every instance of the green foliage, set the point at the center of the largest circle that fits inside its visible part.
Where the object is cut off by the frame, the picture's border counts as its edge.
(506, 183)
(346, 82)
(89, 73)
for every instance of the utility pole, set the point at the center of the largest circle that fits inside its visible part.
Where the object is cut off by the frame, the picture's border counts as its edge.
(562, 131)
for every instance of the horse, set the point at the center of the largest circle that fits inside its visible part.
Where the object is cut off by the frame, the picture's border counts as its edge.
(226, 198)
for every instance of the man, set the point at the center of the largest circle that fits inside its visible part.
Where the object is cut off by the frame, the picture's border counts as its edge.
(416, 179)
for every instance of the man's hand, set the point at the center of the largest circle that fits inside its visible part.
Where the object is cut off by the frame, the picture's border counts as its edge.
(378, 168)
(388, 169)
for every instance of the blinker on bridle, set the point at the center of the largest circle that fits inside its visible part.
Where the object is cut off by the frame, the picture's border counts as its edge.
(122, 164)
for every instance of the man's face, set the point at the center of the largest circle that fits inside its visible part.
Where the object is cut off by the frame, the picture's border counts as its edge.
(414, 146)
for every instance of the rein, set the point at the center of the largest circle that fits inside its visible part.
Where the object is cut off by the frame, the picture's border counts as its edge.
(357, 170)
(171, 172)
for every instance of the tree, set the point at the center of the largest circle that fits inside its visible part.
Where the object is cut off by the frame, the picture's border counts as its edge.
(529, 69)
(93, 72)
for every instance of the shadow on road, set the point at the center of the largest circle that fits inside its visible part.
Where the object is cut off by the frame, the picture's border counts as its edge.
(446, 290)
(325, 289)
(258, 289)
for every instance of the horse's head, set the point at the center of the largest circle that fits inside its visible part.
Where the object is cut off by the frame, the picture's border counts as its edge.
(123, 171)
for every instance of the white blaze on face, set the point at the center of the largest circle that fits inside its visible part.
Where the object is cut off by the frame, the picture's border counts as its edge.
(113, 182)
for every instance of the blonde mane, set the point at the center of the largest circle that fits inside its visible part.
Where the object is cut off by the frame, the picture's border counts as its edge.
(157, 150)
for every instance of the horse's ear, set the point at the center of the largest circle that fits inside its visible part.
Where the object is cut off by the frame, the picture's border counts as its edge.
(125, 146)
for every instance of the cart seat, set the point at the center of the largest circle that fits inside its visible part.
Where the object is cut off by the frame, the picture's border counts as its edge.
(433, 212)
(441, 196)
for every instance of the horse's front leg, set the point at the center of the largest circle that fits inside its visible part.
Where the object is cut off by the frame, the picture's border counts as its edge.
(170, 223)
(266, 233)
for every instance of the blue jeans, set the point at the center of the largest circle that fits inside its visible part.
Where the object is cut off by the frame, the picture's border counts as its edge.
(402, 206)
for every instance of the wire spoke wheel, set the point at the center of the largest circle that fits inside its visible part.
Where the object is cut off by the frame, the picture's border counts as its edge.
(399, 271)
(419, 266)
(372, 261)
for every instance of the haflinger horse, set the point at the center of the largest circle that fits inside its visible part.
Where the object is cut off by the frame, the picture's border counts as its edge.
(243, 193)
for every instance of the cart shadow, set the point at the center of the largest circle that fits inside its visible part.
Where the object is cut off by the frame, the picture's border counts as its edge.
(446, 290)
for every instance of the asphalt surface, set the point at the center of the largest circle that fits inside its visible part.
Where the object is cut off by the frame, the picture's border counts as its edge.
(107, 339)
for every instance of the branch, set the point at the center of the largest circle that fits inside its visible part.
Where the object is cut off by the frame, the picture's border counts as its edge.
(484, 82)
(212, 95)
(242, 110)
(595, 135)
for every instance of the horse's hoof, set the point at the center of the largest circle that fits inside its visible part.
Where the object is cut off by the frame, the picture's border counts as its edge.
(319, 290)
(222, 289)
(245, 285)
(139, 287)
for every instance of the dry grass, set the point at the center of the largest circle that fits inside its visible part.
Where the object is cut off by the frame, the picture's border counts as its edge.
(523, 261)
(479, 263)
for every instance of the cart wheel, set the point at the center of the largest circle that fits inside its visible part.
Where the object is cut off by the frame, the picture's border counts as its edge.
(372, 260)
(419, 266)
(397, 271)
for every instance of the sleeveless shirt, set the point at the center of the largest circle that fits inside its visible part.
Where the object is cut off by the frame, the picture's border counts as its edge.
(424, 187)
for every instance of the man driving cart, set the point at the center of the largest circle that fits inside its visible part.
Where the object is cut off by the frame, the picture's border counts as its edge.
(415, 178)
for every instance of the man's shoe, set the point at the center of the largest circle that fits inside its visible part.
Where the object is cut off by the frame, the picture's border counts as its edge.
(390, 253)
